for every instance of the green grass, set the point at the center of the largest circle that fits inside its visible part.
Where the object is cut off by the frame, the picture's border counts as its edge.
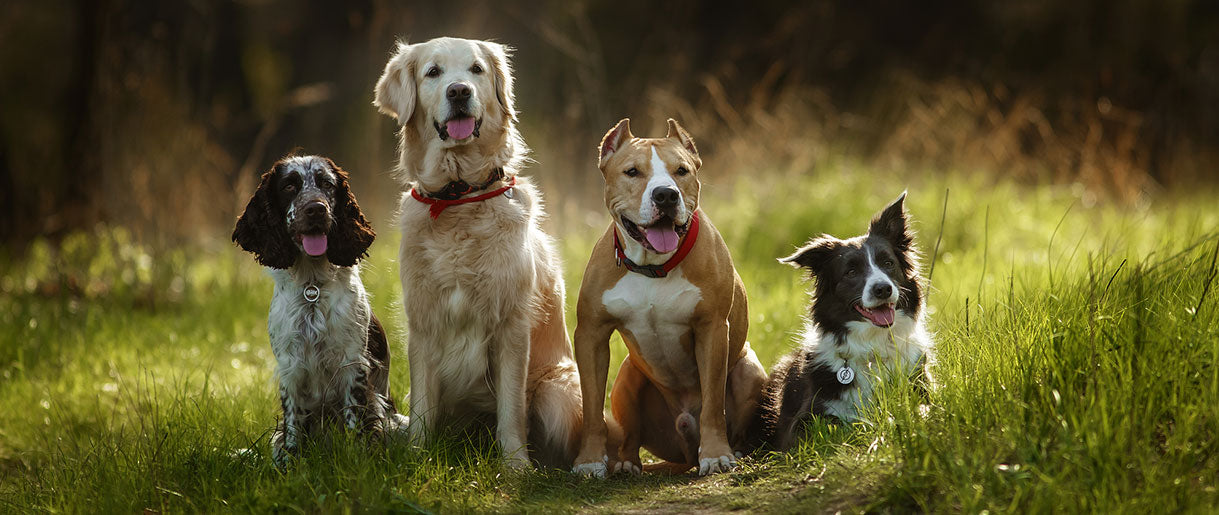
(1078, 370)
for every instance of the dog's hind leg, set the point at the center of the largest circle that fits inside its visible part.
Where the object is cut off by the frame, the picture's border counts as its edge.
(745, 383)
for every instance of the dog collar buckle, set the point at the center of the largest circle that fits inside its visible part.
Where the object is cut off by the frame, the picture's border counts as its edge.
(312, 292)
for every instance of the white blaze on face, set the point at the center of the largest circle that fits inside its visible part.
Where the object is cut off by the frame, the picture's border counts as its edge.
(660, 178)
(877, 276)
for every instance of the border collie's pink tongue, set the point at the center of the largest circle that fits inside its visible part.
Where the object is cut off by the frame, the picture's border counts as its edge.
(664, 240)
(882, 316)
(460, 128)
(315, 244)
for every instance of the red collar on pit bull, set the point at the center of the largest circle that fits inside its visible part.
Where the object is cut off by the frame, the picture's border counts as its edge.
(657, 271)
(451, 194)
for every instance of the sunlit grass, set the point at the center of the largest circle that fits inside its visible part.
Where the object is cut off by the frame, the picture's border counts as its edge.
(1078, 368)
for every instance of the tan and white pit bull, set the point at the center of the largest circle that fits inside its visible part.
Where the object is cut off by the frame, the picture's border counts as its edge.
(662, 277)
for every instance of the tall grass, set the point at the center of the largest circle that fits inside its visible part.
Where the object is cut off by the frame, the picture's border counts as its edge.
(1078, 350)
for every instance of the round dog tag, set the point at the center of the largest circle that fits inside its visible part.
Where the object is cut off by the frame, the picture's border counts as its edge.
(312, 292)
(846, 375)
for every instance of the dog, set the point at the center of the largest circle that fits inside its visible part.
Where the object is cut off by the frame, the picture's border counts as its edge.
(866, 321)
(332, 356)
(482, 284)
(663, 278)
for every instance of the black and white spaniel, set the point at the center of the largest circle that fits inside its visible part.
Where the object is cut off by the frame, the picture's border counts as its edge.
(303, 223)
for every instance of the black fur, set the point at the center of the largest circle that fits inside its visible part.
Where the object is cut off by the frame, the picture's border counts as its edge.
(261, 229)
(351, 234)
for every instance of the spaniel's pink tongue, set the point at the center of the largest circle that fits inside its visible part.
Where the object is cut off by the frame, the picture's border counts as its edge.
(315, 244)
(882, 316)
(460, 128)
(664, 240)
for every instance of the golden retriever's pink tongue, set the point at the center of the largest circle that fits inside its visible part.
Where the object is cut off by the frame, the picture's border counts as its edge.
(315, 244)
(460, 128)
(664, 240)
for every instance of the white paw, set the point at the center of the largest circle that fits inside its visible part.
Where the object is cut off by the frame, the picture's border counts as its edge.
(597, 469)
(716, 465)
(628, 467)
(738, 454)
(517, 460)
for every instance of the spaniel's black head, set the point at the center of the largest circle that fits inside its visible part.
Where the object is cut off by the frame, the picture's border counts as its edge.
(304, 208)
(870, 279)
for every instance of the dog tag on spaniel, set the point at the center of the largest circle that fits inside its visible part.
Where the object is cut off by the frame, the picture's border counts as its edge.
(312, 292)
(846, 375)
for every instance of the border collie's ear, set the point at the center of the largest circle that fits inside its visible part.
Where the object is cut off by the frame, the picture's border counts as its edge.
(613, 141)
(892, 224)
(351, 235)
(262, 230)
(501, 75)
(395, 92)
(815, 254)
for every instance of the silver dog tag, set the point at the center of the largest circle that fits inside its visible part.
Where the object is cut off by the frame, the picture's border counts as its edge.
(312, 292)
(508, 193)
(846, 375)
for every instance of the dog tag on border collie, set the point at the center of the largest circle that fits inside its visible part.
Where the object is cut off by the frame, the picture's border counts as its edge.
(312, 292)
(846, 375)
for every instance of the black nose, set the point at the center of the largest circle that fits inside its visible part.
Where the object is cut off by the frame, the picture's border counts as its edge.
(458, 91)
(882, 290)
(315, 209)
(665, 197)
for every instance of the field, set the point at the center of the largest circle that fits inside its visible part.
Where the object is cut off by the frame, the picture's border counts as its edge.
(1078, 368)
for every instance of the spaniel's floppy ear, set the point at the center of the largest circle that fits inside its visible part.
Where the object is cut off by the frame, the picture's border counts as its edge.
(815, 254)
(892, 224)
(613, 141)
(677, 132)
(351, 234)
(395, 92)
(501, 76)
(262, 230)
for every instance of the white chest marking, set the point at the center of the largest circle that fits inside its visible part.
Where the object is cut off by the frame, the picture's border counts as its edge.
(658, 312)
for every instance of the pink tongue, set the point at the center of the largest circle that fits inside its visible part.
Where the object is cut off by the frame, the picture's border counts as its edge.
(315, 244)
(882, 316)
(460, 128)
(663, 240)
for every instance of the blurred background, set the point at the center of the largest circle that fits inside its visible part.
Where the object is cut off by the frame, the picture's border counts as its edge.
(158, 117)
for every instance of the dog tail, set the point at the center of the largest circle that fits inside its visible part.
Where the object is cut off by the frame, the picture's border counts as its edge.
(556, 414)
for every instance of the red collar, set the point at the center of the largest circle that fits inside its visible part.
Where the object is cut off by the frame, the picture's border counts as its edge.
(656, 271)
(437, 205)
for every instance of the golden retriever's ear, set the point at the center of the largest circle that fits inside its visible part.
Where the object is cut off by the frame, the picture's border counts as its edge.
(677, 132)
(613, 141)
(501, 76)
(396, 90)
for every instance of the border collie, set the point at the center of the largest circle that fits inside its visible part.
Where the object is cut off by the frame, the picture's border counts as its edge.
(866, 322)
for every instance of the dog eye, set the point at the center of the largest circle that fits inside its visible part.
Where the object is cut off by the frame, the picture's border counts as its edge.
(682, 171)
(326, 185)
(888, 263)
(434, 71)
(851, 273)
(290, 188)
(476, 69)
(632, 173)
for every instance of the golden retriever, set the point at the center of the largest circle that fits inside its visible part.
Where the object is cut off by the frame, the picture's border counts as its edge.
(481, 281)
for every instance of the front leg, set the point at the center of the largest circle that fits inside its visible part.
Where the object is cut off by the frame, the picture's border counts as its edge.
(711, 354)
(285, 443)
(592, 360)
(424, 390)
(510, 372)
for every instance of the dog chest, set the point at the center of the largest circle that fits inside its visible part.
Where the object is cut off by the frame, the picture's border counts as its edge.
(658, 313)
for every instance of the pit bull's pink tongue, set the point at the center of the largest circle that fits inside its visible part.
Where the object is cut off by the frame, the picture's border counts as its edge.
(315, 244)
(882, 316)
(460, 128)
(663, 239)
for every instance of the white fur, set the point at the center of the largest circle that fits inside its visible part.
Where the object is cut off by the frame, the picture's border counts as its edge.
(873, 353)
(877, 276)
(320, 347)
(660, 177)
(657, 312)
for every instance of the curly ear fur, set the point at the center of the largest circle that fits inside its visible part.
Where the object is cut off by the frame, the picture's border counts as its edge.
(351, 234)
(262, 230)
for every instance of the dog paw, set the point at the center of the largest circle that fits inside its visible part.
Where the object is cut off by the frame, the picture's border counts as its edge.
(628, 467)
(597, 469)
(716, 465)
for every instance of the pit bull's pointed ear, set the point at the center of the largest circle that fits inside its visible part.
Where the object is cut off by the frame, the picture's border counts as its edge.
(892, 225)
(395, 92)
(815, 254)
(614, 140)
(677, 132)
